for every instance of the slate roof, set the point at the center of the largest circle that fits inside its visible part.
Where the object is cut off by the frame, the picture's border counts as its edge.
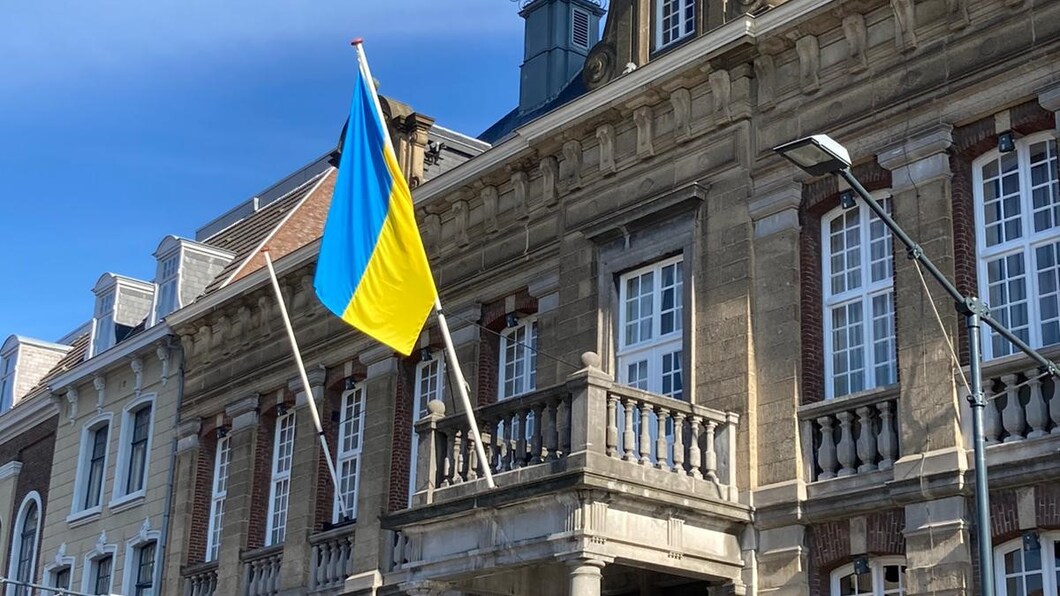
(514, 119)
(75, 356)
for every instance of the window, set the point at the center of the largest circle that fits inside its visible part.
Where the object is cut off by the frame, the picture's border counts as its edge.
(145, 570)
(518, 366)
(93, 465)
(674, 21)
(24, 545)
(1017, 197)
(61, 579)
(883, 577)
(168, 281)
(102, 570)
(579, 35)
(7, 381)
(351, 429)
(136, 438)
(280, 487)
(103, 330)
(650, 321)
(217, 498)
(858, 279)
(430, 385)
(1028, 566)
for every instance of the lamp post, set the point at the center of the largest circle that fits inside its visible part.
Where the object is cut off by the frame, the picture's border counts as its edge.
(819, 155)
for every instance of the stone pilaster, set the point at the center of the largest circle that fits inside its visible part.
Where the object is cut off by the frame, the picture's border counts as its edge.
(9, 473)
(185, 464)
(938, 549)
(1050, 100)
(380, 387)
(242, 446)
(783, 566)
(301, 511)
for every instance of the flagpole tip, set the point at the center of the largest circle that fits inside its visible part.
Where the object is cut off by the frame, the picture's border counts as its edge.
(356, 41)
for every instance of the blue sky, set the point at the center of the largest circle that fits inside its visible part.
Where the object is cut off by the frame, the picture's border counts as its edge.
(122, 121)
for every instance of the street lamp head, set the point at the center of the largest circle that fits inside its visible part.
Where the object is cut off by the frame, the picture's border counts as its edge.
(816, 155)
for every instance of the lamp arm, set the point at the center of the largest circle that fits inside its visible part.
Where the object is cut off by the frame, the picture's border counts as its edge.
(965, 304)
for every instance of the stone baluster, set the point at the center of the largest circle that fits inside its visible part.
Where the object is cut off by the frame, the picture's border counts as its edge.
(445, 467)
(991, 415)
(520, 441)
(679, 442)
(826, 456)
(845, 451)
(512, 440)
(888, 439)
(662, 458)
(471, 457)
(537, 445)
(627, 433)
(1054, 407)
(866, 440)
(1012, 417)
(712, 453)
(645, 434)
(551, 440)
(1037, 410)
(612, 425)
(458, 457)
(695, 457)
(563, 431)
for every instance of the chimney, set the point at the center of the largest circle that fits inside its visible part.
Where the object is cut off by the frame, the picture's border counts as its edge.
(559, 34)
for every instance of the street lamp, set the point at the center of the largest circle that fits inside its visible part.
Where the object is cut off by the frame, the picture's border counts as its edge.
(819, 155)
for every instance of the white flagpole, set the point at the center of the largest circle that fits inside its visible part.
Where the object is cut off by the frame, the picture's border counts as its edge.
(450, 351)
(305, 386)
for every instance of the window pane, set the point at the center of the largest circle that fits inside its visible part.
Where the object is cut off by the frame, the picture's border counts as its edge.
(848, 372)
(1007, 298)
(1044, 189)
(671, 374)
(883, 342)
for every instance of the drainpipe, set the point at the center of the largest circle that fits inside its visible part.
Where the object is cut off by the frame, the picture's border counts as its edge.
(167, 515)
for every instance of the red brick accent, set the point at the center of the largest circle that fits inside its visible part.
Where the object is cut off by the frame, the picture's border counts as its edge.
(35, 448)
(1004, 515)
(1048, 506)
(400, 447)
(493, 319)
(885, 535)
(259, 501)
(829, 546)
(325, 501)
(202, 491)
(818, 198)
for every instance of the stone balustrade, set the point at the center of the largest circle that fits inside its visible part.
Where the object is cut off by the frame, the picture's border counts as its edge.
(588, 414)
(852, 435)
(262, 571)
(1023, 403)
(200, 580)
(332, 559)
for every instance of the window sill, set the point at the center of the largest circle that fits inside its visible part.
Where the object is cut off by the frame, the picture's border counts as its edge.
(86, 516)
(128, 501)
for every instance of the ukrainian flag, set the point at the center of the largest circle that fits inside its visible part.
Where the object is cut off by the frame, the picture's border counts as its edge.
(372, 270)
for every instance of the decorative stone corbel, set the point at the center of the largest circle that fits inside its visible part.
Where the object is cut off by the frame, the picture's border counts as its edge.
(765, 80)
(71, 401)
(162, 353)
(489, 198)
(549, 178)
(241, 325)
(605, 136)
(187, 344)
(202, 341)
(957, 13)
(137, 365)
(571, 169)
(459, 210)
(681, 101)
(218, 332)
(433, 225)
(100, 383)
(264, 318)
(904, 25)
(145, 528)
(519, 187)
(721, 90)
(188, 434)
(857, 42)
(644, 119)
(809, 63)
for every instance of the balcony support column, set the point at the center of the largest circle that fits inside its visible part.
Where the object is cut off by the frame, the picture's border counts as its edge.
(586, 576)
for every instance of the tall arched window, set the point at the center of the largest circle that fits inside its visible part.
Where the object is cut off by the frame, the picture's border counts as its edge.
(22, 566)
(1017, 201)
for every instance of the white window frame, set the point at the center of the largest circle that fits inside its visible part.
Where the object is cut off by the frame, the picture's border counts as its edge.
(1046, 540)
(8, 374)
(876, 565)
(169, 278)
(218, 494)
(121, 494)
(1029, 241)
(280, 482)
(103, 337)
(91, 560)
(528, 357)
(131, 569)
(32, 498)
(683, 21)
(349, 456)
(88, 429)
(429, 385)
(864, 295)
(659, 345)
(61, 562)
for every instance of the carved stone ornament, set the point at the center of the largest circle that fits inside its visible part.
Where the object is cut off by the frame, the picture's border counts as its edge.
(809, 63)
(520, 188)
(765, 80)
(489, 198)
(599, 68)
(459, 210)
(145, 528)
(857, 42)
(957, 11)
(162, 353)
(264, 320)
(605, 136)
(644, 119)
(433, 223)
(904, 25)
(549, 179)
(681, 101)
(721, 90)
(571, 170)
(101, 543)
(100, 383)
(137, 366)
(60, 554)
(71, 400)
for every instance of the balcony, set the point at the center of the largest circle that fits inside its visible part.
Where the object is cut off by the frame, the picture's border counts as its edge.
(201, 579)
(261, 567)
(588, 465)
(852, 435)
(332, 560)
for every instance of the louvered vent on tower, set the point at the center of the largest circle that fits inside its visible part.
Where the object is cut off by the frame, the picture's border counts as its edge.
(579, 28)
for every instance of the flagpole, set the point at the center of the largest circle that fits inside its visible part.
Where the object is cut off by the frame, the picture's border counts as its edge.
(305, 386)
(450, 350)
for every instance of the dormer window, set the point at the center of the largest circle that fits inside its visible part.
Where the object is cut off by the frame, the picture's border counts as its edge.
(7, 381)
(103, 336)
(674, 20)
(168, 282)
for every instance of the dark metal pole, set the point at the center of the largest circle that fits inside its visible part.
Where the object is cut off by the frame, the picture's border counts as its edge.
(982, 493)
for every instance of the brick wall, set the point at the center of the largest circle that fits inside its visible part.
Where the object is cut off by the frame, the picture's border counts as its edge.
(400, 448)
(259, 501)
(330, 410)
(493, 319)
(829, 545)
(34, 448)
(818, 198)
(202, 493)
